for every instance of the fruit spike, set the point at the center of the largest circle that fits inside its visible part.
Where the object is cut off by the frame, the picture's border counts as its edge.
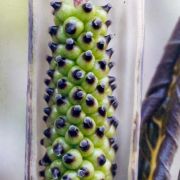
(79, 137)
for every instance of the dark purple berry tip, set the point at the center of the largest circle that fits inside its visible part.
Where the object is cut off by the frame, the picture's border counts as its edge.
(101, 160)
(50, 91)
(49, 59)
(108, 23)
(47, 110)
(107, 7)
(87, 7)
(90, 101)
(101, 45)
(47, 98)
(55, 173)
(45, 118)
(115, 147)
(68, 158)
(60, 123)
(70, 28)
(100, 131)
(87, 56)
(84, 145)
(111, 65)
(42, 142)
(102, 111)
(53, 46)
(113, 86)
(109, 52)
(102, 65)
(47, 133)
(53, 30)
(60, 61)
(111, 79)
(87, 38)
(60, 100)
(70, 44)
(56, 5)
(42, 173)
(47, 82)
(108, 38)
(87, 123)
(90, 78)
(97, 24)
(62, 83)
(50, 73)
(58, 149)
(76, 111)
(77, 74)
(101, 88)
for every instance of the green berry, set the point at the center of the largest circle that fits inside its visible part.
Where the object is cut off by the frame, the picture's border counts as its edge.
(75, 115)
(72, 175)
(86, 41)
(61, 125)
(88, 126)
(86, 147)
(86, 60)
(73, 27)
(79, 137)
(64, 65)
(63, 12)
(90, 82)
(86, 11)
(86, 170)
(76, 75)
(76, 95)
(98, 175)
(73, 135)
(72, 159)
(90, 104)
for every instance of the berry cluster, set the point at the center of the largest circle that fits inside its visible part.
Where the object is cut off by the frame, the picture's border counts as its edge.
(79, 138)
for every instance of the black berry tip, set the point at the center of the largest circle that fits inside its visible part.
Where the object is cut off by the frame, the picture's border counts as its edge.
(68, 158)
(111, 79)
(97, 24)
(90, 79)
(42, 142)
(42, 173)
(115, 147)
(100, 131)
(109, 52)
(87, 123)
(77, 74)
(58, 149)
(87, 56)
(87, 38)
(47, 110)
(50, 73)
(60, 123)
(111, 65)
(47, 82)
(102, 65)
(108, 38)
(60, 100)
(111, 141)
(87, 7)
(47, 133)
(56, 5)
(107, 7)
(49, 59)
(101, 160)
(70, 28)
(53, 30)
(84, 145)
(113, 87)
(108, 23)
(45, 118)
(60, 61)
(53, 46)
(102, 111)
(50, 91)
(56, 173)
(47, 98)
(76, 111)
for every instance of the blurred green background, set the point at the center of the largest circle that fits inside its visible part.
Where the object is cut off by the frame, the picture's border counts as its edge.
(13, 78)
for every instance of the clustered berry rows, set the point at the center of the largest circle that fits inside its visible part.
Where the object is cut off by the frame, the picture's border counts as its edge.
(79, 138)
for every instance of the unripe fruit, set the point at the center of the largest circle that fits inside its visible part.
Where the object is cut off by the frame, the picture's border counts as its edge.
(79, 138)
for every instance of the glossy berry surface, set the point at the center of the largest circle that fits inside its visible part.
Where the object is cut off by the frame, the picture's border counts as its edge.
(79, 138)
